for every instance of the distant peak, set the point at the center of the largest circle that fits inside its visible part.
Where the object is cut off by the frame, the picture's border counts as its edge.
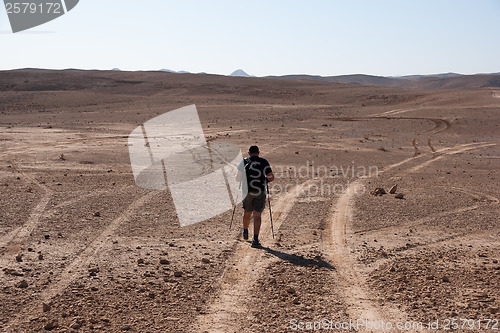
(171, 71)
(239, 72)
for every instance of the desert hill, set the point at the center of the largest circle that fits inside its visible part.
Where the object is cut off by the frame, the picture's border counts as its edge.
(438, 81)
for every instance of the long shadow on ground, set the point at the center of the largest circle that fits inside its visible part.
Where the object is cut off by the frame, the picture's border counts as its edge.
(299, 260)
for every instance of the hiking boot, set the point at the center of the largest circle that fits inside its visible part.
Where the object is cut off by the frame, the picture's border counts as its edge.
(245, 234)
(256, 244)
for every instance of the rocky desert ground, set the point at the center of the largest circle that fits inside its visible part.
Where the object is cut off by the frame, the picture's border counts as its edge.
(84, 249)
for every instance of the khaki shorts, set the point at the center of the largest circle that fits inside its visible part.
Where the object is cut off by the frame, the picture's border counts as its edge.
(255, 202)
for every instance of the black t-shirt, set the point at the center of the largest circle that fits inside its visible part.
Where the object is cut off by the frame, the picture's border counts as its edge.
(256, 168)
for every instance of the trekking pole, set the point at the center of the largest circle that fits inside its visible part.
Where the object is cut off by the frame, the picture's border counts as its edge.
(270, 212)
(235, 203)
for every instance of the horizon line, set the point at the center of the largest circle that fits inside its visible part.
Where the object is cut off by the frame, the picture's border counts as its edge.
(116, 69)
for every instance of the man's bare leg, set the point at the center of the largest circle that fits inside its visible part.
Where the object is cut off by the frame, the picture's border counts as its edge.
(246, 223)
(256, 222)
(246, 219)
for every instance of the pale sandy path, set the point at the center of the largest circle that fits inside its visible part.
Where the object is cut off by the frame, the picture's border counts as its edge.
(18, 236)
(451, 151)
(362, 304)
(243, 270)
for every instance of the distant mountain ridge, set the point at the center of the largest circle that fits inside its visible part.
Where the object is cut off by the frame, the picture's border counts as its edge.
(237, 73)
(172, 71)
(430, 81)
(433, 81)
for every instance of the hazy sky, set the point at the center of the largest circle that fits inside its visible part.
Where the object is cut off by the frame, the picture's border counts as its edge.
(391, 37)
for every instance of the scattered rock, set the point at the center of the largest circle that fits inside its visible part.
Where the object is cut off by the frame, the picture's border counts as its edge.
(393, 189)
(46, 307)
(205, 261)
(140, 261)
(481, 295)
(51, 325)
(76, 324)
(126, 327)
(473, 306)
(22, 284)
(378, 191)
(164, 261)
(446, 279)
(19, 258)
(40, 256)
(13, 272)
(493, 310)
(94, 270)
(178, 274)
(97, 214)
(30, 249)
(46, 236)
(399, 196)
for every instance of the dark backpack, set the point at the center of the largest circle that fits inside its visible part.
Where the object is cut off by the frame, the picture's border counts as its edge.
(255, 175)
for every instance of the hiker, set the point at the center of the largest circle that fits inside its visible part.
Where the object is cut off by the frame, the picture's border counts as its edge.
(258, 171)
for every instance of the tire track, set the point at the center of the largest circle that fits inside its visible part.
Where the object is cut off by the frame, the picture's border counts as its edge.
(481, 197)
(243, 269)
(79, 265)
(476, 195)
(87, 195)
(419, 221)
(438, 127)
(451, 151)
(396, 111)
(361, 303)
(17, 236)
(441, 126)
(82, 261)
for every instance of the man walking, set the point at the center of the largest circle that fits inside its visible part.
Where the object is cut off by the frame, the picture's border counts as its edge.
(257, 171)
